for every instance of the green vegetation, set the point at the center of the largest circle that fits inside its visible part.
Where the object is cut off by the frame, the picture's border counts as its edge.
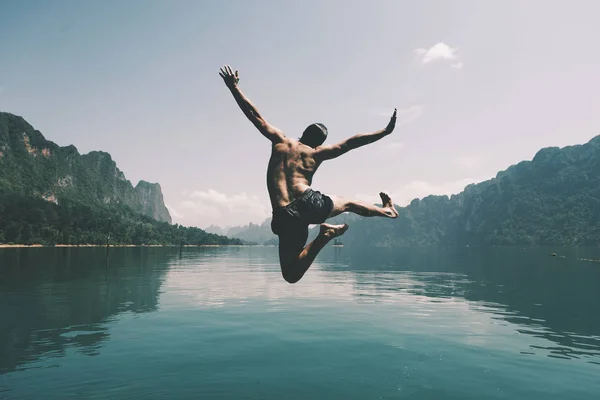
(53, 195)
(29, 220)
(552, 200)
(34, 166)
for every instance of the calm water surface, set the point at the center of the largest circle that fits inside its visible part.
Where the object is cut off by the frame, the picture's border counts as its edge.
(220, 323)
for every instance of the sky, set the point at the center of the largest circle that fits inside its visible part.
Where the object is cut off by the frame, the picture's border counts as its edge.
(479, 86)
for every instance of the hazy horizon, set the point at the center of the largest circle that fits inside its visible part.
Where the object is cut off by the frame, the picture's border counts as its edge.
(478, 87)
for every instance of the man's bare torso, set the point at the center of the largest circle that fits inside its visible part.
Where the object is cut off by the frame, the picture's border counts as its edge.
(290, 171)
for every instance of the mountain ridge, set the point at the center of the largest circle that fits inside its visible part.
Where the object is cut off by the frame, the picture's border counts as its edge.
(554, 198)
(53, 172)
(54, 195)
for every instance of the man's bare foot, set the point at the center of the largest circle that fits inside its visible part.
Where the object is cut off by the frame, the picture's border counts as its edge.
(331, 231)
(387, 203)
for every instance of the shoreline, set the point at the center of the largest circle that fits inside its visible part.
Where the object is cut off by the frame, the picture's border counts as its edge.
(9, 246)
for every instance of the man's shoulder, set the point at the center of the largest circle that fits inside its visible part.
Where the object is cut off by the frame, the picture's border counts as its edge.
(285, 142)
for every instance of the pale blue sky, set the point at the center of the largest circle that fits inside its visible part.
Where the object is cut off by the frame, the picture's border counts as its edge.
(139, 79)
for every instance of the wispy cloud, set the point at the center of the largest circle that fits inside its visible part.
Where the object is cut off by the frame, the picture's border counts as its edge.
(439, 52)
(210, 207)
(174, 214)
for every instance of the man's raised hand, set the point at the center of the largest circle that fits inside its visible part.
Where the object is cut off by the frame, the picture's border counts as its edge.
(231, 79)
(390, 128)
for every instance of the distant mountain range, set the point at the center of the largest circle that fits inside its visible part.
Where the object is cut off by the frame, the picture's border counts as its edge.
(552, 199)
(53, 194)
(251, 233)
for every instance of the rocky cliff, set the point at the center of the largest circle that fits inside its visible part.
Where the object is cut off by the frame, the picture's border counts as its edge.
(149, 196)
(33, 166)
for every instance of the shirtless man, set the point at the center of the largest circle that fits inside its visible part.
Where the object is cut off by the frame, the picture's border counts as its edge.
(290, 172)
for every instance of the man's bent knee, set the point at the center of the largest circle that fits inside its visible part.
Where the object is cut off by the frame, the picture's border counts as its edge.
(289, 273)
(291, 278)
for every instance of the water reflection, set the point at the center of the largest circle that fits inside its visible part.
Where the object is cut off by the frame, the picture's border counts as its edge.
(533, 294)
(553, 298)
(55, 299)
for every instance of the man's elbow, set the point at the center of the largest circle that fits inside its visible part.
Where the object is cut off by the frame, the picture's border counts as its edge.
(338, 151)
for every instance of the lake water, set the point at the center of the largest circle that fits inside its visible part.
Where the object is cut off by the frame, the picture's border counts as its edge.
(220, 323)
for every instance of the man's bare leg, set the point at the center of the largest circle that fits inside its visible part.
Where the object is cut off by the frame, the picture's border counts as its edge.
(293, 264)
(341, 205)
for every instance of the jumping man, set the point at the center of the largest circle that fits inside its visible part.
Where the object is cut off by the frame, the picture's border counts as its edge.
(291, 168)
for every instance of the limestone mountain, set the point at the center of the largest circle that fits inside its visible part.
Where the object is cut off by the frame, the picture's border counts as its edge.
(150, 197)
(51, 194)
(32, 165)
(552, 199)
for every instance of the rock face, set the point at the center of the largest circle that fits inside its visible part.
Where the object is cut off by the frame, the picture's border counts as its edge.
(32, 165)
(150, 198)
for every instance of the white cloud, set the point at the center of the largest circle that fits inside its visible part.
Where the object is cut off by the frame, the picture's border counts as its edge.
(439, 52)
(403, 195)
(204, 208)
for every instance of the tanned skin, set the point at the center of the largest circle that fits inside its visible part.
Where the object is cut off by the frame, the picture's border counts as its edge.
(290, 172)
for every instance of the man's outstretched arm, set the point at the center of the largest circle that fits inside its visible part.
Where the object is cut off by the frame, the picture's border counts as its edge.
(250, 111)
(328, 152)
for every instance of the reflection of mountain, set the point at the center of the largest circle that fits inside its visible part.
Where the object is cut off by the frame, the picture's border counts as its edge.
(545, 296)
(52, 298)
(526, 291)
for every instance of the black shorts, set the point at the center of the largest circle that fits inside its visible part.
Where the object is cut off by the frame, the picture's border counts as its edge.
(311, 207)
